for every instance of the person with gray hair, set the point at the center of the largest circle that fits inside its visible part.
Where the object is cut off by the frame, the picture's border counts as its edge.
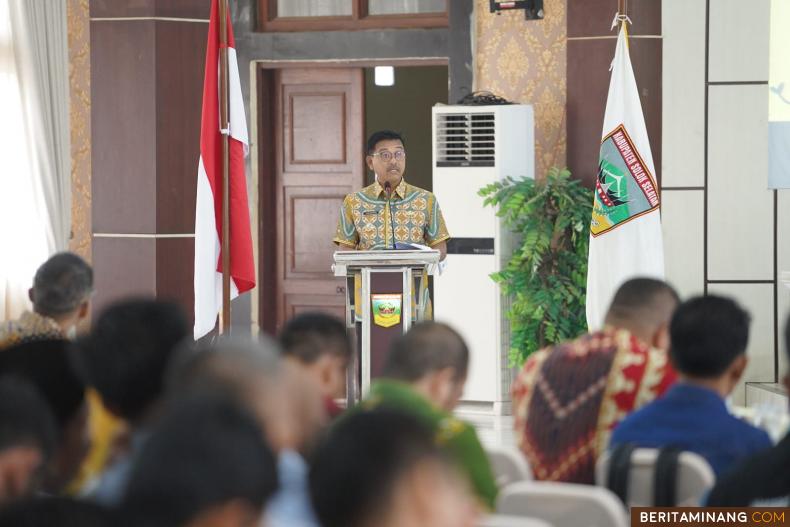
(60, 295)
(287, 404)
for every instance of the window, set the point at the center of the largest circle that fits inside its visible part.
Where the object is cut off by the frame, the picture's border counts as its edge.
(349, 15)
(22, 230)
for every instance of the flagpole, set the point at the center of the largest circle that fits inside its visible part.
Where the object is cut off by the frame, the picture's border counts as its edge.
(223, 120)
(622, 9)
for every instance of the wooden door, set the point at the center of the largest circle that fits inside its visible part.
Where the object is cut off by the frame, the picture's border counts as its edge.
(319, 158)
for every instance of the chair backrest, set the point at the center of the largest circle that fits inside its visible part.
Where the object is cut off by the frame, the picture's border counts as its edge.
(563, 504)
(499, 520)
(509, 465)
(694, 477)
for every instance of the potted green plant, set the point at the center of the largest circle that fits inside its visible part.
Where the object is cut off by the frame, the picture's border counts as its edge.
(546, 275)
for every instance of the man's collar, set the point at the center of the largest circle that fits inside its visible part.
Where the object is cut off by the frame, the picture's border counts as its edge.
(400, 190)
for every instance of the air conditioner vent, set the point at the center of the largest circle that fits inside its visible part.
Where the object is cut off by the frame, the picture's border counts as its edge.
(465, 139)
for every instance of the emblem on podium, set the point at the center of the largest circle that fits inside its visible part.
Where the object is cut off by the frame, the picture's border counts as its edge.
(386, 309)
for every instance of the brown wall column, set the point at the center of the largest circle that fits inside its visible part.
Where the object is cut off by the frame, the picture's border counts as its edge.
(591, 48)
(147, 59)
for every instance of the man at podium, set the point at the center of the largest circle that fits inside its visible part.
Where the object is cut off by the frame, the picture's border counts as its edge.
(390, 212)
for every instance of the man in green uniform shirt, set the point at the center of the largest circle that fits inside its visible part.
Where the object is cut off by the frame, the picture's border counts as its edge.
(425, 375)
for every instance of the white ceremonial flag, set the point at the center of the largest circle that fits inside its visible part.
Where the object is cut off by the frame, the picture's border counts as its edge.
(625, 231)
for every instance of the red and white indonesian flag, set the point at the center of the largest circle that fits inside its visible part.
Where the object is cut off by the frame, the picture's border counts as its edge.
(208, 210)
(625, 232)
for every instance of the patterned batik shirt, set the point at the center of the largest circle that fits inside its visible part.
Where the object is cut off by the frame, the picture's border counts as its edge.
(567, 399)
(368, 221)
(28, 328)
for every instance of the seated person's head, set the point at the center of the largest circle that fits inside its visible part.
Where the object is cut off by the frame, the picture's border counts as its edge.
(61, 290)
(644, 306)
(55, 512)
(318, 343)
(288, 407)
(47, 364)
(708, 342)
(127, 353)
(433, 358)
(27, 438)
(205, 464)
(382, 468)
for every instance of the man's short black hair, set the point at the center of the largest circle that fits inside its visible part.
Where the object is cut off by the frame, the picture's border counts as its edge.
(48, 365)
(61, 284)
(206, 451)
(359, 463)
(53, 511)
(25, 417)
(427, 347)
(640, 298)
(128, 350)
(309, 335)
(707, 334)
(383, 135)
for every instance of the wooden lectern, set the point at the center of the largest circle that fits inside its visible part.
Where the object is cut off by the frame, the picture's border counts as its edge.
(386, 282)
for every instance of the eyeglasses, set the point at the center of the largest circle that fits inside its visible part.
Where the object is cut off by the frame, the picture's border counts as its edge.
(387, 156)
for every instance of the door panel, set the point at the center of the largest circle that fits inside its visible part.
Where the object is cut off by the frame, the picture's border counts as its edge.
(319, 158)
(296, 304)
(309, 249)
(317, 143)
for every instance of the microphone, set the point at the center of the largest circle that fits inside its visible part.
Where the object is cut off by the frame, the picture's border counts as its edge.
(388, 190)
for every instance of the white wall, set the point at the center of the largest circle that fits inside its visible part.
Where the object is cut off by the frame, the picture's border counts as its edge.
(719, 218)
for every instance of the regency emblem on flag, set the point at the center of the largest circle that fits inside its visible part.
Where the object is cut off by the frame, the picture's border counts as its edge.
(624, 189)
(386, 310)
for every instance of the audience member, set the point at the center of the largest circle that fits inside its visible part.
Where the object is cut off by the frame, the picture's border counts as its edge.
(568, 398)
(763, 479)
(383, 468)
(206, 464)
(55, 512)
(287, 405)
(47, 365)
(125, 358)
(27, 438)
(318, 344)
(708, 349)
(424, 375)
(60, 294)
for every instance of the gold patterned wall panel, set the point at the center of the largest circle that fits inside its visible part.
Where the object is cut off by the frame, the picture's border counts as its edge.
(80, 115)
(525, 61)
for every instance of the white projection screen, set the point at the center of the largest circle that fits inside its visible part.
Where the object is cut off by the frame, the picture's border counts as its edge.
(779, 96)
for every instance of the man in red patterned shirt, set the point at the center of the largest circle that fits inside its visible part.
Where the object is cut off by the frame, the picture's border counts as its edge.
(569, 397)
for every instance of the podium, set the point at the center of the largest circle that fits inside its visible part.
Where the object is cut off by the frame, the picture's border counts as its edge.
(384, 283)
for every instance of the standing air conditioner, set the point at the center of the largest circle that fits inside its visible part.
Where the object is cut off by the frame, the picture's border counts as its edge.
(474, 146)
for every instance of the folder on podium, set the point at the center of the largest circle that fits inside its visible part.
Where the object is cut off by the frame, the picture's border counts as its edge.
(381, 304)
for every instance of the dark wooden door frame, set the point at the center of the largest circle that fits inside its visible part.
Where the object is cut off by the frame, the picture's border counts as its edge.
(264, 315)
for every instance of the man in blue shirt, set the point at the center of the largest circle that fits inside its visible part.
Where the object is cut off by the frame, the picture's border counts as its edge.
(708, 337)
(762, 480)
